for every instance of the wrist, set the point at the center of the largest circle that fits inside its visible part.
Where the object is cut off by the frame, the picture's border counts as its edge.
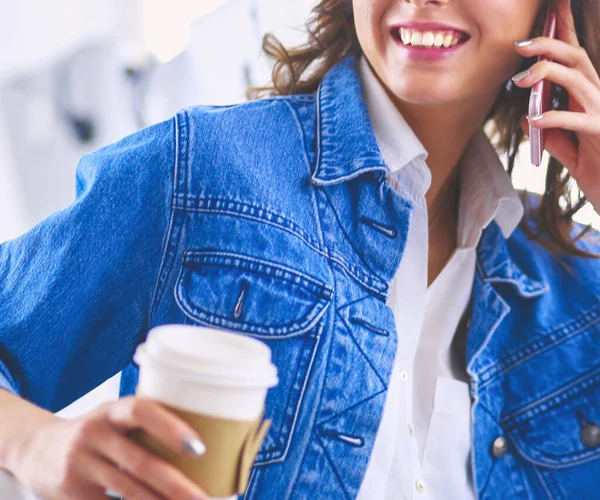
(20, 423)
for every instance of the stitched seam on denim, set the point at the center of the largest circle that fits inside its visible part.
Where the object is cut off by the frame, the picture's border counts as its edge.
(236, 207)
(355, 272)
(319, 399)
(548, 482)
(351, 303)
(289, 226)
(185, 156)
(349, 330)
(277, 451)
(310, 98)
(332, 465)
(198, 315)
(309, 369)
(350, 408)
(310, 172)
(562, 464)
(487, 479)
(363, 283)
(280, 332)
(359, 275)
(543, 343)
(248, 491)
(167, 236)
(549, 401)
(486, 340)
(337, 217)
(259, 266)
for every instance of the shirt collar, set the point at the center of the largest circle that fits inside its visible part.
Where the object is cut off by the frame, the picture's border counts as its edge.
(398, 143)
(487, 192)
(346, 148)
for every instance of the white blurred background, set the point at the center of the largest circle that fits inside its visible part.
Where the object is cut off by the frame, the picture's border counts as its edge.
(76, 75)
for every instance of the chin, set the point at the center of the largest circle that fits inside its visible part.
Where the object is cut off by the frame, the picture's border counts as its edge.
(424, 95)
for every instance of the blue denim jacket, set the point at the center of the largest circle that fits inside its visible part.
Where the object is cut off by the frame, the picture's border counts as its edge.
(287, 199)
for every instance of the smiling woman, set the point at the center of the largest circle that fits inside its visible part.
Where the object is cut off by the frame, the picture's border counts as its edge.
(333, 34)
(361, 224)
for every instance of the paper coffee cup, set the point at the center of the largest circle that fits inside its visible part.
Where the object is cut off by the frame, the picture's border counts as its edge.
(217, 381)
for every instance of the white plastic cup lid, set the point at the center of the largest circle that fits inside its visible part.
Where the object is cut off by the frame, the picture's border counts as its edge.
(208, 355)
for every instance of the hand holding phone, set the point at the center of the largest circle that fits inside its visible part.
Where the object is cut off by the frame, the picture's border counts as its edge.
(540, 99)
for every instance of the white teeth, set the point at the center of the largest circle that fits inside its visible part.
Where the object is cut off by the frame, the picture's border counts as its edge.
(406, 36)
(428, 38)
(416, 38)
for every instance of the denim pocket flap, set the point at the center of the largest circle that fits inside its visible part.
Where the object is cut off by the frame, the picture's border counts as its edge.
(250, 295)
(563, 428)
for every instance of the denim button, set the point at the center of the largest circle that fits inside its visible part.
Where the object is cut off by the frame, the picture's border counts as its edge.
(590, 435)
(500, 447)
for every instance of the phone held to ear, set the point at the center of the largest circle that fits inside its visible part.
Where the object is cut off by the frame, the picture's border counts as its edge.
(540, 99)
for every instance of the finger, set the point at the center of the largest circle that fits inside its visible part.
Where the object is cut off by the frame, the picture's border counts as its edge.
(581, 89)
(563, 53)
(106, 476)
(567, 120)
(141, 413)
(146, 468)
(562, 147)
(565, 23)
(559, 145)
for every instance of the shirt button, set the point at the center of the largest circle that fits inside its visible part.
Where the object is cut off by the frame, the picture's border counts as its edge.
(403, 376)
(590, 435)
(500, 447)
(411, 431)
(420, 486)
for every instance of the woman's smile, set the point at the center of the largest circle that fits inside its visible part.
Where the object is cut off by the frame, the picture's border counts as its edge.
(428, 41)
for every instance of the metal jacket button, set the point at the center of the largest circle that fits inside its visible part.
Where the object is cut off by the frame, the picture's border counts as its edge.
(590, 435)
(500, 447)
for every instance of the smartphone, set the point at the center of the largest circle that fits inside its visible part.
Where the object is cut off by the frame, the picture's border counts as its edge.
(540, 99)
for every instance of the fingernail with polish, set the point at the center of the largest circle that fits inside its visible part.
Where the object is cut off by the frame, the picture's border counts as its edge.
(193, 446)
(520, 76)
(535, 117)
(523, 43)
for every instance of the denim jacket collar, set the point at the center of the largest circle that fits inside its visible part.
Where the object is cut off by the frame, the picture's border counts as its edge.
(497, 266)
(342, 112)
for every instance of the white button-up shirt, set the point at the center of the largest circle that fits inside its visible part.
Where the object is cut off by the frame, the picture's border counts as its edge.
(422, 449)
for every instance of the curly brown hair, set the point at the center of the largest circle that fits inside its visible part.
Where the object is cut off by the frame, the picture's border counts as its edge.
(332, 36)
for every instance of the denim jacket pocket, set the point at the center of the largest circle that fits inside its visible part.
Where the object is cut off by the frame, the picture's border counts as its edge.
(281, 306)
(560, 436)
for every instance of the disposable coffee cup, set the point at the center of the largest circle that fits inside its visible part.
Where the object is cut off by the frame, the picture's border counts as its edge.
(217, 381)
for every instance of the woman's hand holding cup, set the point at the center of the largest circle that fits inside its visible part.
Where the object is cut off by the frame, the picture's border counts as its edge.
(84, 457)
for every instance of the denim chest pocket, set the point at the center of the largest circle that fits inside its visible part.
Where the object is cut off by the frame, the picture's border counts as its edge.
(560, 436)
(281, 306)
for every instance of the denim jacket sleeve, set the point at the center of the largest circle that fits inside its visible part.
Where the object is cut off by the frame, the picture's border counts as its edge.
(76, 291)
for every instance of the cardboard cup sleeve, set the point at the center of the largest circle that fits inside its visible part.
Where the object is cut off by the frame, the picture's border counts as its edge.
(231, 448)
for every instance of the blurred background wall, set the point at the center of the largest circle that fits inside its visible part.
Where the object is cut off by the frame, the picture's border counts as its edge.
(76, 75)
